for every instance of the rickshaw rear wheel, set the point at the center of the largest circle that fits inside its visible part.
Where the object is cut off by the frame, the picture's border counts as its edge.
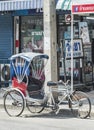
(14, 103)
(35, 107)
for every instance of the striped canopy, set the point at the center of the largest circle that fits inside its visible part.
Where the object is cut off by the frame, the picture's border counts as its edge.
(66, 4)
(10, 5)
(63, 4)
(29, 56)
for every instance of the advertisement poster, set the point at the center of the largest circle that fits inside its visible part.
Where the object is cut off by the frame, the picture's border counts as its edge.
(77, 48)
(88, 68)
(34, 42)
(76, 70)
(67, 35)
(84, 33)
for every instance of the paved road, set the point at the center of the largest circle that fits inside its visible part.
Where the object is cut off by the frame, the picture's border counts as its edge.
(44, 121)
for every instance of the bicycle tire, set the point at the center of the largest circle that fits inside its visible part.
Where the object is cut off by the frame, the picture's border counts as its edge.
(35, 107)
(14, 103)
(80, 104)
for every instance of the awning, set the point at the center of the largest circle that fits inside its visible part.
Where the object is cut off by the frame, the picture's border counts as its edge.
(66, 4)
(10, 5)
(63, 5)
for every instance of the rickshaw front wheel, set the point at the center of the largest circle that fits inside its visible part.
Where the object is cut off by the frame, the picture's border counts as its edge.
(14, 103)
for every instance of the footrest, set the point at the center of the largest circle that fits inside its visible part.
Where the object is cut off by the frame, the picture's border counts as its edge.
(51, 83)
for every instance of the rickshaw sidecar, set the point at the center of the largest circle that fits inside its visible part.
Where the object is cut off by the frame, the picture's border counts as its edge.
(27, 74)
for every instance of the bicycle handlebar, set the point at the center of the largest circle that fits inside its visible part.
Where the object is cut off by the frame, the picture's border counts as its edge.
(65, 83)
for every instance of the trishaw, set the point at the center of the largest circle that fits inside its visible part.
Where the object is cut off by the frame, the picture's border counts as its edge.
(27, 90)
(27, 74)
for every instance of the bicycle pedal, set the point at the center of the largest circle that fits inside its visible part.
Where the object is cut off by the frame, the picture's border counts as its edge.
(56, 107)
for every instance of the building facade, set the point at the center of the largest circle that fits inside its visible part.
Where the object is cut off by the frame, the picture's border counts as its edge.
(22, 30)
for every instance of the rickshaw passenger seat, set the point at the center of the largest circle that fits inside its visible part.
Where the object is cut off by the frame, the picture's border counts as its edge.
(34, 84)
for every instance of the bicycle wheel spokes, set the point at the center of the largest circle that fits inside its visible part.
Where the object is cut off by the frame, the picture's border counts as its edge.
(84, 107)
(35, 107)
(80, 104)
(14, 103)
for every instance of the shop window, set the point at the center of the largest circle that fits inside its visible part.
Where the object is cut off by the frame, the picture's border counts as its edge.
(93, 51)
(32, 34)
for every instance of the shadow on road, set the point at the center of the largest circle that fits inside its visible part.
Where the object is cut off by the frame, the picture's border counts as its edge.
(63, 114)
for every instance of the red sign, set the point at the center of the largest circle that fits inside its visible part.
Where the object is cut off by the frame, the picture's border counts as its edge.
(67, 18)
(86, 8)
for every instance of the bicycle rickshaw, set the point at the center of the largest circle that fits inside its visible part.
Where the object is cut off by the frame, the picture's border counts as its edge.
(27, 73)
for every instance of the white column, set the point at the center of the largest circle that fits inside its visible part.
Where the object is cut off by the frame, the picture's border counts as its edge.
(50, 39)
(17, 34)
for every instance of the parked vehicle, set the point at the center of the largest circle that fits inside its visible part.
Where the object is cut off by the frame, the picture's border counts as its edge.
(27, 73)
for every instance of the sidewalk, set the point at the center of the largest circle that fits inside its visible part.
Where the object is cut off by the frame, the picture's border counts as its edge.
(90, 94)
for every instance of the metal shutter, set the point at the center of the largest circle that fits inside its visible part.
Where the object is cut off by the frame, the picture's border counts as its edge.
(6, 36)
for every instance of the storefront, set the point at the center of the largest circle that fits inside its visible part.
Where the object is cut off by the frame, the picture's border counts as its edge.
(9, 10)
(28, 32)
(29, 36)
(17, 19)
(64, 36)
(82, 45)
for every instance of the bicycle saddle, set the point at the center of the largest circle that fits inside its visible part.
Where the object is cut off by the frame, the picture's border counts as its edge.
(51, 83)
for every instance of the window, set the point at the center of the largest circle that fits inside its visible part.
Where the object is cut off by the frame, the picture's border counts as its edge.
(32, 34)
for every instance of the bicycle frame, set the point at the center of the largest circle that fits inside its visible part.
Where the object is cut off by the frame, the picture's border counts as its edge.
(49, 100)
(65, 94)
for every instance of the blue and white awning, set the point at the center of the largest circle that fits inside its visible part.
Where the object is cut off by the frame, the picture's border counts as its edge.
(63, 5)
(10, 5)
(66, 4)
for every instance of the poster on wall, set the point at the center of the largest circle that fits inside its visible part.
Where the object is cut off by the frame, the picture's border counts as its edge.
(37, 40)
(84, 33)
(33, 42)
(67, 35)
(76, 70)
(77, 48)
(88, 68)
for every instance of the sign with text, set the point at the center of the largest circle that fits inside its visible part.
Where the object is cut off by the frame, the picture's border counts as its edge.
(85, 8)
(84, 32)
(77, 48)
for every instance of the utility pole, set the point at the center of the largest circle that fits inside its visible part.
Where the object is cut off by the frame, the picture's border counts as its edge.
(50, 39)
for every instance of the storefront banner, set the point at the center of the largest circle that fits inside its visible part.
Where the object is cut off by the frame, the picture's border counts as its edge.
(85, 6)
(77, 48)
(88, 8)
(84, 32)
